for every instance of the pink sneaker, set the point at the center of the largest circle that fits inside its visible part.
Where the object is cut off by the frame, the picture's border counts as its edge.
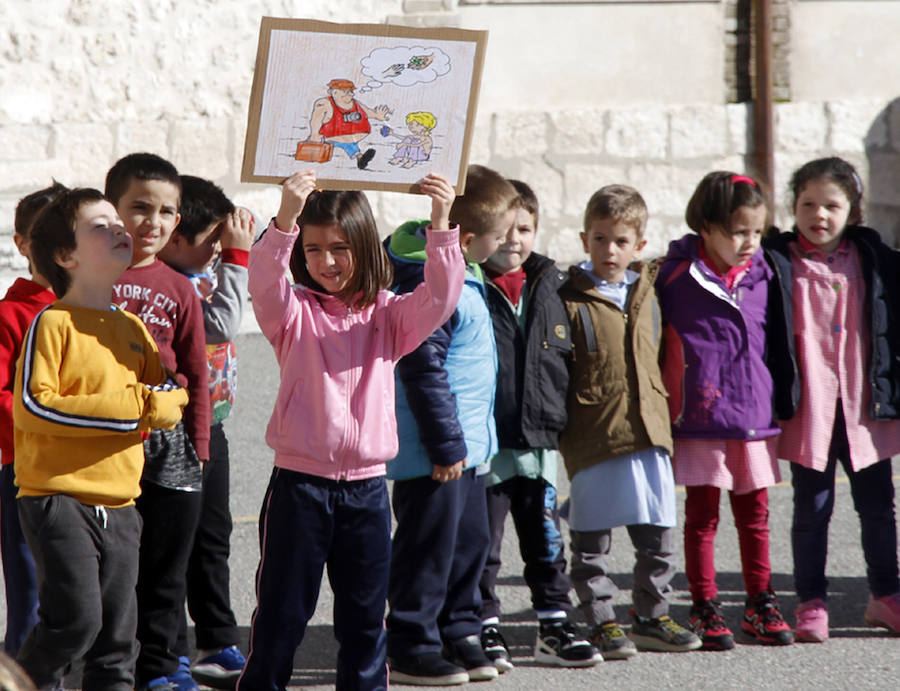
(884, 612)
(812, 621)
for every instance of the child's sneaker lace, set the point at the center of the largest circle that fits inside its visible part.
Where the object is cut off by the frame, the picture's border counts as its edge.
(763, 621)
(706, 621)
(495, 648)
(662, 634)
(612, 642)
(559, 644)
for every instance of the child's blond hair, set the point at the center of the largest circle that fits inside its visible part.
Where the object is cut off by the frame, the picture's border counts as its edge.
(424, 118)
(620, 203)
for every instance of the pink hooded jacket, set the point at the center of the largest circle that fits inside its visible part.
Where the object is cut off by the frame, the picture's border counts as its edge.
(334, 415)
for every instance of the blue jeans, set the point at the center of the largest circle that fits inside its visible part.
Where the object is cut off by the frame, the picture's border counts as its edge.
(18, 567)
(307, 523)
(532, 503)
(872, 489)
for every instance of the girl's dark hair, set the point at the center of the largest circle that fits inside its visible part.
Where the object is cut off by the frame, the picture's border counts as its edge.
(351, 212)
(719, 195)
(53, 235)
(838, 171)
(527, 199)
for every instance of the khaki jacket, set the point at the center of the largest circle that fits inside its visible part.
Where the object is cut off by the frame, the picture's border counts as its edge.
(616, 399)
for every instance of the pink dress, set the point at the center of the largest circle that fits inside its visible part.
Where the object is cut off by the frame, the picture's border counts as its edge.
(737, 465)
(832, 341)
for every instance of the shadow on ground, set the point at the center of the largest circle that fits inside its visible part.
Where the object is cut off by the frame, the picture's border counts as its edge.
(314, 663)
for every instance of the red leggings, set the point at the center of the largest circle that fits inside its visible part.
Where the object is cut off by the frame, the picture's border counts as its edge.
(751, 518)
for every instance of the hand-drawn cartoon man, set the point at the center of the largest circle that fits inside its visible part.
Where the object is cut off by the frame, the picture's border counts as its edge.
(416, 146)
(341, 120)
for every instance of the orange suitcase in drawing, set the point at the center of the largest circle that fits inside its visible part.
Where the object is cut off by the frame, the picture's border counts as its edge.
(314, 152)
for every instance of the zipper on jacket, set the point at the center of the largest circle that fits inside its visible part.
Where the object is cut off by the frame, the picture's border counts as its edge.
(347, 442)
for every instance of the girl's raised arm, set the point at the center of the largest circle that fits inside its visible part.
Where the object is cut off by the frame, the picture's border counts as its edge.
(433, 300)
(273, 301)
(442, 195)
(295, 190)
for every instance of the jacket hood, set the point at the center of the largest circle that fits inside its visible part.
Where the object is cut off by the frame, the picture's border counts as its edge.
(535, 265)
(330, 303)
(780, 242)
(406, 248)
(23, 288)
(687, 248)
(406, 244)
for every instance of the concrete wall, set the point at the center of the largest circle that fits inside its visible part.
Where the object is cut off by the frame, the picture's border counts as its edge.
(555, 57)
(846, 47)
(574, 96)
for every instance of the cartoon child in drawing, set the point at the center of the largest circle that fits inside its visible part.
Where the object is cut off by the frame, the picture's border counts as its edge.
(341, 120)
(415, 147)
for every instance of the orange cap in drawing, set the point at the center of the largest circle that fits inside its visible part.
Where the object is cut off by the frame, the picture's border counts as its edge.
(342, 85)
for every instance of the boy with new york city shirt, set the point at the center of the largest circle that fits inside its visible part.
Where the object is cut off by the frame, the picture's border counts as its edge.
(146, 191)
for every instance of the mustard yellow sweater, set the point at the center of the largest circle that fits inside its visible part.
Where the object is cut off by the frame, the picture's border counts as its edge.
(80, 404)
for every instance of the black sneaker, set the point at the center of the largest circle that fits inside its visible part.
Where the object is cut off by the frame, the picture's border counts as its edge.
(558, 644)
(365, 159)
(427, 669)
(495, 648)
(468, 654)
(706, 621)
(662, 634)
(612, 642)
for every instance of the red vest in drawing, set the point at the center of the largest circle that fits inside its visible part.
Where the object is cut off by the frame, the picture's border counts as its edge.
(345, 121)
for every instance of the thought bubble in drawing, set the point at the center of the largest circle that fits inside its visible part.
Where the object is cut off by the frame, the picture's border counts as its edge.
(404, 66)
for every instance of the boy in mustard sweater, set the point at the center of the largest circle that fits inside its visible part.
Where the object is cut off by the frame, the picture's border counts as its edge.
(89, 382)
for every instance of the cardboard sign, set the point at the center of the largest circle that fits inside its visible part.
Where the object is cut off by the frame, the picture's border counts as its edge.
(367, 106)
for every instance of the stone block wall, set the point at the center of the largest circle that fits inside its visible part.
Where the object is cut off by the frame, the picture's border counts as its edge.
(664, 151)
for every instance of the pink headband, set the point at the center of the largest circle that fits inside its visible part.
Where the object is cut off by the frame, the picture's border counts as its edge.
(742, 178)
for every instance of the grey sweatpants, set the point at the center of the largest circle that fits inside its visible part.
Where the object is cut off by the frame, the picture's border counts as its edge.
(86, 559)
(654, 568)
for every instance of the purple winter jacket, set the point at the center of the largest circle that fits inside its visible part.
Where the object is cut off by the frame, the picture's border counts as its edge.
(714, 364)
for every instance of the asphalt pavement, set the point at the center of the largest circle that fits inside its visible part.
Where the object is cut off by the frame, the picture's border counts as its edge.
(856, 656)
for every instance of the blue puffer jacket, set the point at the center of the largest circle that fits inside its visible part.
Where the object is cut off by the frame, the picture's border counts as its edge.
(445, 404)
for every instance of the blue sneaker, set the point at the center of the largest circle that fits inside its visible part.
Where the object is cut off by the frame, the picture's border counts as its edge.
(158, 684)
(182, 680)
(219, 668)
